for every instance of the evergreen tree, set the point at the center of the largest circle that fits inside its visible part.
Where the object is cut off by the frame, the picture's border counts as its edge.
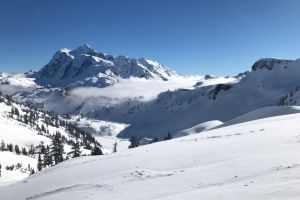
(39, 164)
(155, 139)
(42, 148)
(57, 148)
(88, 146)
(24, 151)
(115, 147)
(96, 151)
(48, 161)
(133, 142)
(10, 147)
(168, 137)
(17, 112)
(2, 147)
(43, 129)
(31, 151)
(26, 119)
(9, 100)
(28, 167)
(12, 111)
(17, 150)
(75, 149)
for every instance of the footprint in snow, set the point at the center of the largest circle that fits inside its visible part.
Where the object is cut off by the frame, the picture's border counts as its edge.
(279, 168)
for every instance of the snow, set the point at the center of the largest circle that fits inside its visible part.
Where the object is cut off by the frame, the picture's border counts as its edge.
(12, 131)
(253, 155)
(217, 80)
(84, 66)
(16, 133)
(135, 101)
(252, 160)
(101, 60)
(65, 50)
(8, 159)
(107, 143)
(17, 80)
(260, 113)
(105, 132)
(98, 127)
(199, 128)
(256, 89)
(11, 83)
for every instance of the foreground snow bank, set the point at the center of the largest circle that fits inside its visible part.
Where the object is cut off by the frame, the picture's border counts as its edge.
(252, 160)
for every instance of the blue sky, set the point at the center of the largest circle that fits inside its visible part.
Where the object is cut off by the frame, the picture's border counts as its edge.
(220, 37)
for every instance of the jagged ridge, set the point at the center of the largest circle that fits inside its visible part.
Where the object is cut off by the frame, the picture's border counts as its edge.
(86, 67)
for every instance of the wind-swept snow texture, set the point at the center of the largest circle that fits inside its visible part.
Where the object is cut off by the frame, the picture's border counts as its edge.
(249, 161)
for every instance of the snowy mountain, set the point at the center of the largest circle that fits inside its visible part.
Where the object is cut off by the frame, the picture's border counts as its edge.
(252, 160)
(154, 107)
(84, 66)
(270, 82)
(211, 98)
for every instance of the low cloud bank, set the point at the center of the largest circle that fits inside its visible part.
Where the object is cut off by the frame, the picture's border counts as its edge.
(143, 90)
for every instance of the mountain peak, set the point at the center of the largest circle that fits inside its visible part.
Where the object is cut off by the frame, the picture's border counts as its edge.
(269, 63)
(87, 67)
(83, 49)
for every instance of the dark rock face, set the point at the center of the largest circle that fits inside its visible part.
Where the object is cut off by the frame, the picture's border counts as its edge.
(268, 63)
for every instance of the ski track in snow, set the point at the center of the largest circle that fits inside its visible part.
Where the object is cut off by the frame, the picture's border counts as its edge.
(68, 189)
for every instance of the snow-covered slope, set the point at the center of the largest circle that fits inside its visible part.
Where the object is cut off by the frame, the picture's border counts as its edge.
(253, 160)
(199, 128)
(25, 131)
(15, 133)
(257, 114)
(104, 132)
(262, 113)
(264, 86)
(11, 83)
(85, 67)
(135, 103)
(18, 173)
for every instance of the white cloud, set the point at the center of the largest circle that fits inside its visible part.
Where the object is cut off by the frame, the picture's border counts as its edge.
(143, 90)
